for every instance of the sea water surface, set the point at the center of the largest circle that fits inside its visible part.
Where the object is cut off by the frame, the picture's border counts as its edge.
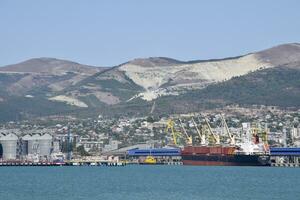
(149, 182)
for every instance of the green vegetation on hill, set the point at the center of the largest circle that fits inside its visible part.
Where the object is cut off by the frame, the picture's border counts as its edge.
(122, 87)
(6, 80)
(20, 108)
(278, 86)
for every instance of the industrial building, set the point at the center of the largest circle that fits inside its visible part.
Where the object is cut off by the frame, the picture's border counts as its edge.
(173, 152)
(156, 155)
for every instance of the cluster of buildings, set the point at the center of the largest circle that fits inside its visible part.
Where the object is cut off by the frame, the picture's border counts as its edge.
(30, 141)
(295, 135)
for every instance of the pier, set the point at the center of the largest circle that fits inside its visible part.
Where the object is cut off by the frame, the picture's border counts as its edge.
(285, 157)
(67, 163)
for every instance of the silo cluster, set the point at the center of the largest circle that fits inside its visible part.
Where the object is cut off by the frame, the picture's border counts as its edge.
(38, 144)
(11, 146)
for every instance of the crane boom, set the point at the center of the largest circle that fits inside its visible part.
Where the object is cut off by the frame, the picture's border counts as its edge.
(183, 128)
(231, 137)
(188, 138)
(198, 131)
(216, 137)
(201, 136)
(170, 126)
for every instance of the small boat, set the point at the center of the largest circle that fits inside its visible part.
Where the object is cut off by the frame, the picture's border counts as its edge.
(150, 160)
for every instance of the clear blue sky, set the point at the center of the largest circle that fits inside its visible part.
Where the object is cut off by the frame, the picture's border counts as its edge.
(106, 33)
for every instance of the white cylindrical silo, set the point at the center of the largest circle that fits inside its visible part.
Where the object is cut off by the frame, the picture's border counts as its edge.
(1, 149)
(33, 143)
(45, 142)
(24, 147)
(9, 146)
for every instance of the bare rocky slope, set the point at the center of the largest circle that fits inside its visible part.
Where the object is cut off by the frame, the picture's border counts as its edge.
(151, 78)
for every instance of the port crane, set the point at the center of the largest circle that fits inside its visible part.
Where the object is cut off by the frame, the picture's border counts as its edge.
(231, 136)
(175, 135)
(189, 139)
(262, 133)
(201, 135)
(265, 133)
(215, 136)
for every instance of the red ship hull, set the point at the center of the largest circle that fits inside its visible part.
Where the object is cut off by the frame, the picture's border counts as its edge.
(207, 163)
(220, 156)
(218, 163)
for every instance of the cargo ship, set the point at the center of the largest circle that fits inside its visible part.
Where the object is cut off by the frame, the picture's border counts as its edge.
(250, 151)
(222, 156)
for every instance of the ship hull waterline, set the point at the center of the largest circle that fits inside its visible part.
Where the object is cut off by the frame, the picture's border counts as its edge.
(235, 160)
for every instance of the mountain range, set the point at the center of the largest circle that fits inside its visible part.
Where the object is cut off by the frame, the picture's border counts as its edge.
(155, 85)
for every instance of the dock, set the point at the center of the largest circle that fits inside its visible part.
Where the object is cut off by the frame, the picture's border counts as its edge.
(68, 163)
(285, 157)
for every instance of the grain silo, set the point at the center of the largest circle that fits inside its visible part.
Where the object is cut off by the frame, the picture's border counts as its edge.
(45, 142)
(24, 144)
(1, 150)
(9, 146)
(33, 143)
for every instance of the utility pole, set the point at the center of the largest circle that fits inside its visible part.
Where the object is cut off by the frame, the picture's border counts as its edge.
(284, 138)
(69, 143)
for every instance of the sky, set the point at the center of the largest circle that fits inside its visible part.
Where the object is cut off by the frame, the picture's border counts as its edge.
(107, 33)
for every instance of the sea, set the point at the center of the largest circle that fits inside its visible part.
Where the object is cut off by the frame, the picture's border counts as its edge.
(138, 182)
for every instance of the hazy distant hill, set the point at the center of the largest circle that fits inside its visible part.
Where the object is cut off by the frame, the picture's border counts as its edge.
(49, 66)
(268, 77)
(43, 75)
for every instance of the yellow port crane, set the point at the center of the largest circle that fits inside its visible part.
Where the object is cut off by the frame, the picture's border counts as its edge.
(215, 136)
(189, 139)
(175, 135)
(201, 135)
(231, 136)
